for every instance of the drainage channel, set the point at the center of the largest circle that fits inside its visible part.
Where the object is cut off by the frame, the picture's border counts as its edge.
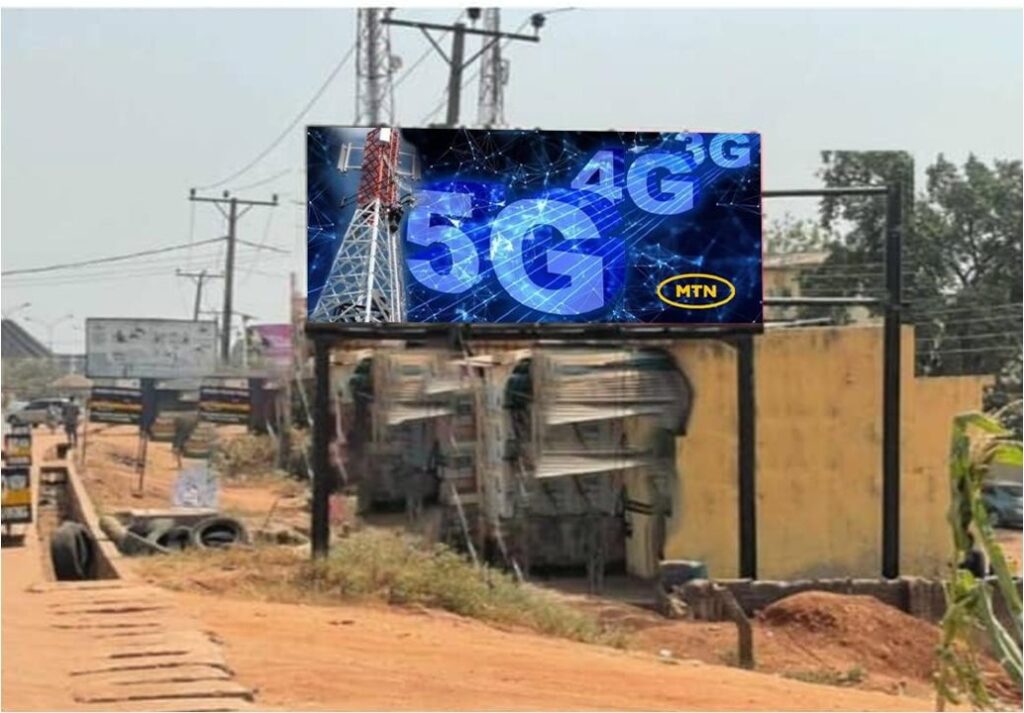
(134, 647)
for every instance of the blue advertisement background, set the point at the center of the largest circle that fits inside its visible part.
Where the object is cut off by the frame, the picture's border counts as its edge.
(572, 179)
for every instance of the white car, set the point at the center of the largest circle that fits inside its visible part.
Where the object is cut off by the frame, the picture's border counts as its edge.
(35, 412)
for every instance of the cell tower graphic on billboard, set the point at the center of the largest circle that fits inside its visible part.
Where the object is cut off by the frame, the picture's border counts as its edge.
(527, 226)
(365, 282)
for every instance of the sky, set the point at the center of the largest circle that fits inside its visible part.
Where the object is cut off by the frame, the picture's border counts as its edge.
(110, 116)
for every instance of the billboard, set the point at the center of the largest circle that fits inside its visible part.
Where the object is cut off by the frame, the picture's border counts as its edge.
(271, 344)
(225, 401)
(121, 404)
(149, 348)
(16, 497)
(18, 445)
(531, 226)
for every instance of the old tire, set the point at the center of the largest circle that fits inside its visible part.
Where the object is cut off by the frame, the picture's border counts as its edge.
(71, 550)
(218, 532)
(175, 538)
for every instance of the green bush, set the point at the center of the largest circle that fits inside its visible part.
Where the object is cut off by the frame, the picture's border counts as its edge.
(400, 569)
(244, 455)
(376, 565)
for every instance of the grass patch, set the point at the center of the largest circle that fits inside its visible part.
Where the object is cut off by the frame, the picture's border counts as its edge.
(829, 676)
(376, 565)
(244, 455)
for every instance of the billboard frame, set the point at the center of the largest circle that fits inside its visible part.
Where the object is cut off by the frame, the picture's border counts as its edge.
(395, 329)
(325, 336)
(90, 375)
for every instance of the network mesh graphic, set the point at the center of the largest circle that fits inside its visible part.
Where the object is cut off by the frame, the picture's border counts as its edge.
(514, 226)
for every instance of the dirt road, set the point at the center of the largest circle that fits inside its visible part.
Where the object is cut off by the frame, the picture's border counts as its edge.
(349, 657)
(375, 658)
(35, 668)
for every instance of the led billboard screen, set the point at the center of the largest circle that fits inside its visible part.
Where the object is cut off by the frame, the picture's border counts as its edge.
(531, 226)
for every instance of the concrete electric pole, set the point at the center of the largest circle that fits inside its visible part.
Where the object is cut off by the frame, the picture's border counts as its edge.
(200, 278)
(232, 215)
(457, 61)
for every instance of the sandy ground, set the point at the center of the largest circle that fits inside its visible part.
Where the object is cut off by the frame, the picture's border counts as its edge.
(36, 664)
(357, 657)
(113, 483)
(368, 658)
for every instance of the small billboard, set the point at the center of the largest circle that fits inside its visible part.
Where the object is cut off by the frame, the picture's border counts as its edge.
(121, 403)
(16, 498)
(225, 401)
(271, 345)
(150, 348)
(532, 226)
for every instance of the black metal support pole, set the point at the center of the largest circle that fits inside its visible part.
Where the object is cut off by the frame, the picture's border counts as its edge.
(320, 526)
(747, 456)
(891, 383)
(456, 65)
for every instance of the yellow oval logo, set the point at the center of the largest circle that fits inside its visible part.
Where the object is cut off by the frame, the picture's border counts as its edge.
(696, 287)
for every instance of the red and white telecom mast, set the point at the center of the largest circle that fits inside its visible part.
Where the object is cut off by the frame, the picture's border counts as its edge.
(365, 281)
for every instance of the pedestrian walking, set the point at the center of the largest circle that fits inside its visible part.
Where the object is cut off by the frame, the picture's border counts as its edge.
(71, 413)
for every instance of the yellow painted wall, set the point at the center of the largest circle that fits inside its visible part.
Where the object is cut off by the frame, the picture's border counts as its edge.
(703, 522)
(819, 431)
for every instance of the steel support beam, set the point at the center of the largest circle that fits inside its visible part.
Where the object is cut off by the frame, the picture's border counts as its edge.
(891, 383)
(746, 409)
(321, 529)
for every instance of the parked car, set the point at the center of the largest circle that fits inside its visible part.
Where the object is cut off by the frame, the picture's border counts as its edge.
(1003, 502)
(36, 412)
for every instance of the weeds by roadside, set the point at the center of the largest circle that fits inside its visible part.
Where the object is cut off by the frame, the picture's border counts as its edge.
(829, 677)
(374, 565)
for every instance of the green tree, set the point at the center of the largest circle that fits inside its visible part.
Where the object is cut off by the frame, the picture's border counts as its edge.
(962, 258)
(795, 235)
(28, 378)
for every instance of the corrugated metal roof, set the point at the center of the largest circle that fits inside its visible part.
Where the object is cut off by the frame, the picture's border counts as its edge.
(557, 465)
(405, 413)
(17, 343)
(578, 413)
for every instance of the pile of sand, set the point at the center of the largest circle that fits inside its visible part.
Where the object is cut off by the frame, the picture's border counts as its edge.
(880, 638)
(883, 638)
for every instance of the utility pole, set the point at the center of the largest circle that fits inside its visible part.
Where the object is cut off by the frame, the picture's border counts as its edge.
(375, 68)
(232, 215)
(456, 61)
(199, 277)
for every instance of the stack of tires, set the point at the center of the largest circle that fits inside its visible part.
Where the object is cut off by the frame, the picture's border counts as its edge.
(215, 532)
(73, 552)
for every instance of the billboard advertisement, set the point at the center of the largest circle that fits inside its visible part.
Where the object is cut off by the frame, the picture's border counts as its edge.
(18, 445)
(121, 404)
(16, 500)
(149, 348)
(271, 345)
(532, 226)
(225, 401)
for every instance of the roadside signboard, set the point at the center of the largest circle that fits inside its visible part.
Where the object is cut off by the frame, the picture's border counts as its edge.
(16, 500)
(195, 487)
(122, 403)
(272, 345)
(533, 226)
(149, 348)
(18, 445)
(225, 401)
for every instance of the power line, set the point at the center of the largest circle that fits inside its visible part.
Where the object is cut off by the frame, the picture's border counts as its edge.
(475, 74)
(265, 181)
(102, 260)
(426, 53)
(284, 134)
